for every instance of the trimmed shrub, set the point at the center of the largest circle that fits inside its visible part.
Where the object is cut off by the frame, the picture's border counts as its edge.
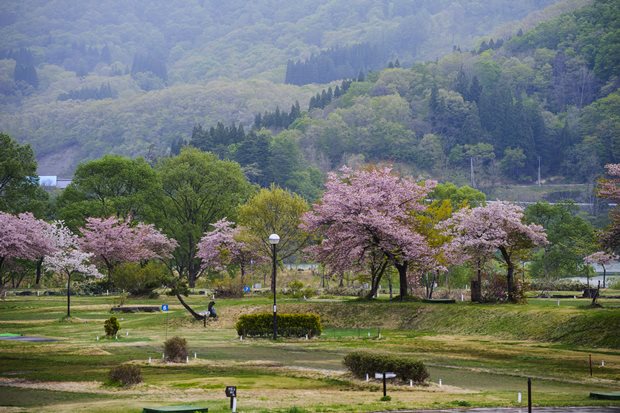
(175, 349)
(111, 326)
(126, 374)
(362, 362)
(289, 325)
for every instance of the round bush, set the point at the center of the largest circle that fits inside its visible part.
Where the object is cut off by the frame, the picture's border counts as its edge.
(111, 326)
(175, 349)
(361, 362)
(126, 375)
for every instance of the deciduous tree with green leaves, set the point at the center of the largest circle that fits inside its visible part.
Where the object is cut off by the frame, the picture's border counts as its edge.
(198, 190)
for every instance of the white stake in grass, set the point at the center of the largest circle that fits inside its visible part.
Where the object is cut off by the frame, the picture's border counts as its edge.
(149, 360)
(519, 397)
(195, 356)
(440, 384)
(366, 376)
(410, 383)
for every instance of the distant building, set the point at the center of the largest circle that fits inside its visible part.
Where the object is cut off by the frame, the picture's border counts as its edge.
(53, 181)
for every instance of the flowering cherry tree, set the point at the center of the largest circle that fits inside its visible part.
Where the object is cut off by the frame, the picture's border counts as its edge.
(113, 242)
(68, 258)
(22, 237)
(601, 258)
(609, 188)
(497, 226)
(224, 246)
(366, 211)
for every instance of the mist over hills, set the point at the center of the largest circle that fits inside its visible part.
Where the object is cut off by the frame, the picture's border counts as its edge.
(78, 80)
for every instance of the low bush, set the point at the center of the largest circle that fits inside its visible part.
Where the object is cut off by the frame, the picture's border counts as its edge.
(556, 285)
(140, 280)
(361, 363)
(289, 325)
(495, 289)
(345, 291)
(111, 326)
(175, 349)
(126, 375)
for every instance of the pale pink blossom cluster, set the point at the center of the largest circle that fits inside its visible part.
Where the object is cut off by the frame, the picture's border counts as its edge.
(68, 258)
(24, 237)
(366, 212)
(610, 188)
(222, 247)
(600, 258)
(112, 241)
(481, 231)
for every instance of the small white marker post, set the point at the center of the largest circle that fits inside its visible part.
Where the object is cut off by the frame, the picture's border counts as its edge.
(97, 338)
(410, 383)
(127, 334)
(369, 334)
(187, 359)
(149, 360)
(195, 356)
(602, 363)
(116, 337)
(519, 397)
(440, 384)
(558, 302)
(462, 297)
(240, 338)
(366, 376)
(306, 336)
(163, 356)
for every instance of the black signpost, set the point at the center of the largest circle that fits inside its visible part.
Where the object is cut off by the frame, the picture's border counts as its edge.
(231, 391)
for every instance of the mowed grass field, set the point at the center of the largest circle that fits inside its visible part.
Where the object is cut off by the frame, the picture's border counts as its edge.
(483, 355)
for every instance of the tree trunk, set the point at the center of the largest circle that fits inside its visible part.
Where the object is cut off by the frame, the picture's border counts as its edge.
(402, 276)
(604, 274)
(376, 273)
(68, 295)
(190, 309)
(39, 272)
(509, 274)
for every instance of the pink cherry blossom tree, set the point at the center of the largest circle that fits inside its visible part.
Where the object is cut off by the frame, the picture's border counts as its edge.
(224, 246)
(113, 242)
(366, 211)
(497, 226)
(609, 188)
(68, 258)
(22, 237)
(601, 258)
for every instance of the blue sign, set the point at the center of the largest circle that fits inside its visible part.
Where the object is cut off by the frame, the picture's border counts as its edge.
(246, 289)
(164, 307)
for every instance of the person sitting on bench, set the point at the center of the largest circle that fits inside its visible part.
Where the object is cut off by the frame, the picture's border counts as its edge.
(211, 310)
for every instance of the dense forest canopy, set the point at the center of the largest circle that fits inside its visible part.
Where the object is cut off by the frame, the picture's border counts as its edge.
(78, 80)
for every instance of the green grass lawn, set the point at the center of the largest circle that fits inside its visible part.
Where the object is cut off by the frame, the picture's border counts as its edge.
(483, 355)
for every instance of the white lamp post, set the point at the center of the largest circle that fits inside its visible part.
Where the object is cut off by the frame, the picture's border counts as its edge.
(273, 240)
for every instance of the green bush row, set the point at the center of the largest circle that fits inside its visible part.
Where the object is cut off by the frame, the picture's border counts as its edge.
(361, 363)
(289, 325)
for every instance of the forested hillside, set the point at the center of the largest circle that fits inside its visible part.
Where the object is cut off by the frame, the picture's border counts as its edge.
(545, 97)
(79, 79)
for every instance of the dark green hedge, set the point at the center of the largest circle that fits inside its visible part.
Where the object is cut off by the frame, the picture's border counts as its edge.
(289, 325)
(361, 363)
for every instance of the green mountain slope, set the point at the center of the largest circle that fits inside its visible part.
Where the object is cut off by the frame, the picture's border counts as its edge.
(82, 79)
